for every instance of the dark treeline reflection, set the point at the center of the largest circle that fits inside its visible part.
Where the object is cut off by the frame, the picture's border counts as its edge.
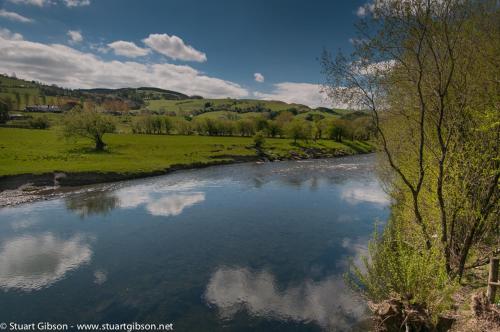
(92, 203)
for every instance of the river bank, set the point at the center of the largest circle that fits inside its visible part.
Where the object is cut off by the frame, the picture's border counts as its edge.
(23, 188)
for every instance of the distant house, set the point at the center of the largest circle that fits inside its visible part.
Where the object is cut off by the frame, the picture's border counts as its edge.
(43, 109)
(17, 116)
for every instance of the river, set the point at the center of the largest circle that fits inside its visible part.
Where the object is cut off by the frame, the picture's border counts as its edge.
(245, 247)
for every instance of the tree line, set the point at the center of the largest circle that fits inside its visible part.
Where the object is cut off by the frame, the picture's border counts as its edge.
(285, 125)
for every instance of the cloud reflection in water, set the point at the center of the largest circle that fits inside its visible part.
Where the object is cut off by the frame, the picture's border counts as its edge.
(364, 192)
(32, 262)
(170, 201)
(173, 205)
(328, 303)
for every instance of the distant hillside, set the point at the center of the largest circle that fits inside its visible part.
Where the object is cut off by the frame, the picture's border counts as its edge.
(20, 93)
(143, 92)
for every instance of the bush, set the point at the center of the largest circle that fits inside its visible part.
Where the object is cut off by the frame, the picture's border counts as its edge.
(396, 269)
(4, 112)
(41, 122)
(259, 140)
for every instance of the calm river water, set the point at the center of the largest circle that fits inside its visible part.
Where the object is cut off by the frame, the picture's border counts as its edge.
(247, 247)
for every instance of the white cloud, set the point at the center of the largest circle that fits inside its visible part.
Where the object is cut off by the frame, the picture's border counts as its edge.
(299, 93)
(14, 16)
(32, 262)
(75, 36)
(366, 9)
(396, 7)
(68, 67)
(128, 49)
(174, 48)
(258, 77)
(358, 41)
(374, 68)
(76, 3)
(99, 47)
(9, 35)
(361, 12)
(41, 3)
(328, 303)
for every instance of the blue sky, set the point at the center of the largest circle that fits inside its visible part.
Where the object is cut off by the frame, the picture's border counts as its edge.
(212, 48)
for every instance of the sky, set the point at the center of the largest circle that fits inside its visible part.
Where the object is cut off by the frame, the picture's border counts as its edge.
(262, 49)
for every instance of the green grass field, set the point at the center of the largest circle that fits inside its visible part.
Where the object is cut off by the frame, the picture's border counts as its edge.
(24, 151)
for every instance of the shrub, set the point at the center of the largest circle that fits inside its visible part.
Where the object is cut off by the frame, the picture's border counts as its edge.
(396, 269)
(41, 122)
(4, 112)
(259, 140)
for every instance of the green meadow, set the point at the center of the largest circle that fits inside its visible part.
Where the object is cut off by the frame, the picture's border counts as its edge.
(24, 151)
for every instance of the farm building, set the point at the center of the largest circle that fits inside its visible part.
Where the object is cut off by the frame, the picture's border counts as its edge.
(43, 109)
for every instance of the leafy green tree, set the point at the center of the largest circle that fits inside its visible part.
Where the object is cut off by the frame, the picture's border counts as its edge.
(298, 129)
(4, 112)
(168, 125)
(260, 123)
(18, 100)
(273, 129)
(26, 99)
(183, 126)
(284, 117)
(320, 126)
(10, 104)
(88, 123)
(157, 124)
(259, 140)
(245, 127)
(338, 129)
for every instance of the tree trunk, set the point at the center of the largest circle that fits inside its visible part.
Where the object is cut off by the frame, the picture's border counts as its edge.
(99, 144)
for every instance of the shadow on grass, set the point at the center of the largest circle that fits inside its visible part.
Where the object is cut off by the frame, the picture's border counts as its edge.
(93, 151)
(358, 146)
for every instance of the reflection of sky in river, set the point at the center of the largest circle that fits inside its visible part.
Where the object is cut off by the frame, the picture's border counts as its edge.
(160, 200)
(246, 247)
(327, 302)
(31, 262)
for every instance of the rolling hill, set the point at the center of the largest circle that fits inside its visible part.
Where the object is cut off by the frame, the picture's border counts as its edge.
(20, 93)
